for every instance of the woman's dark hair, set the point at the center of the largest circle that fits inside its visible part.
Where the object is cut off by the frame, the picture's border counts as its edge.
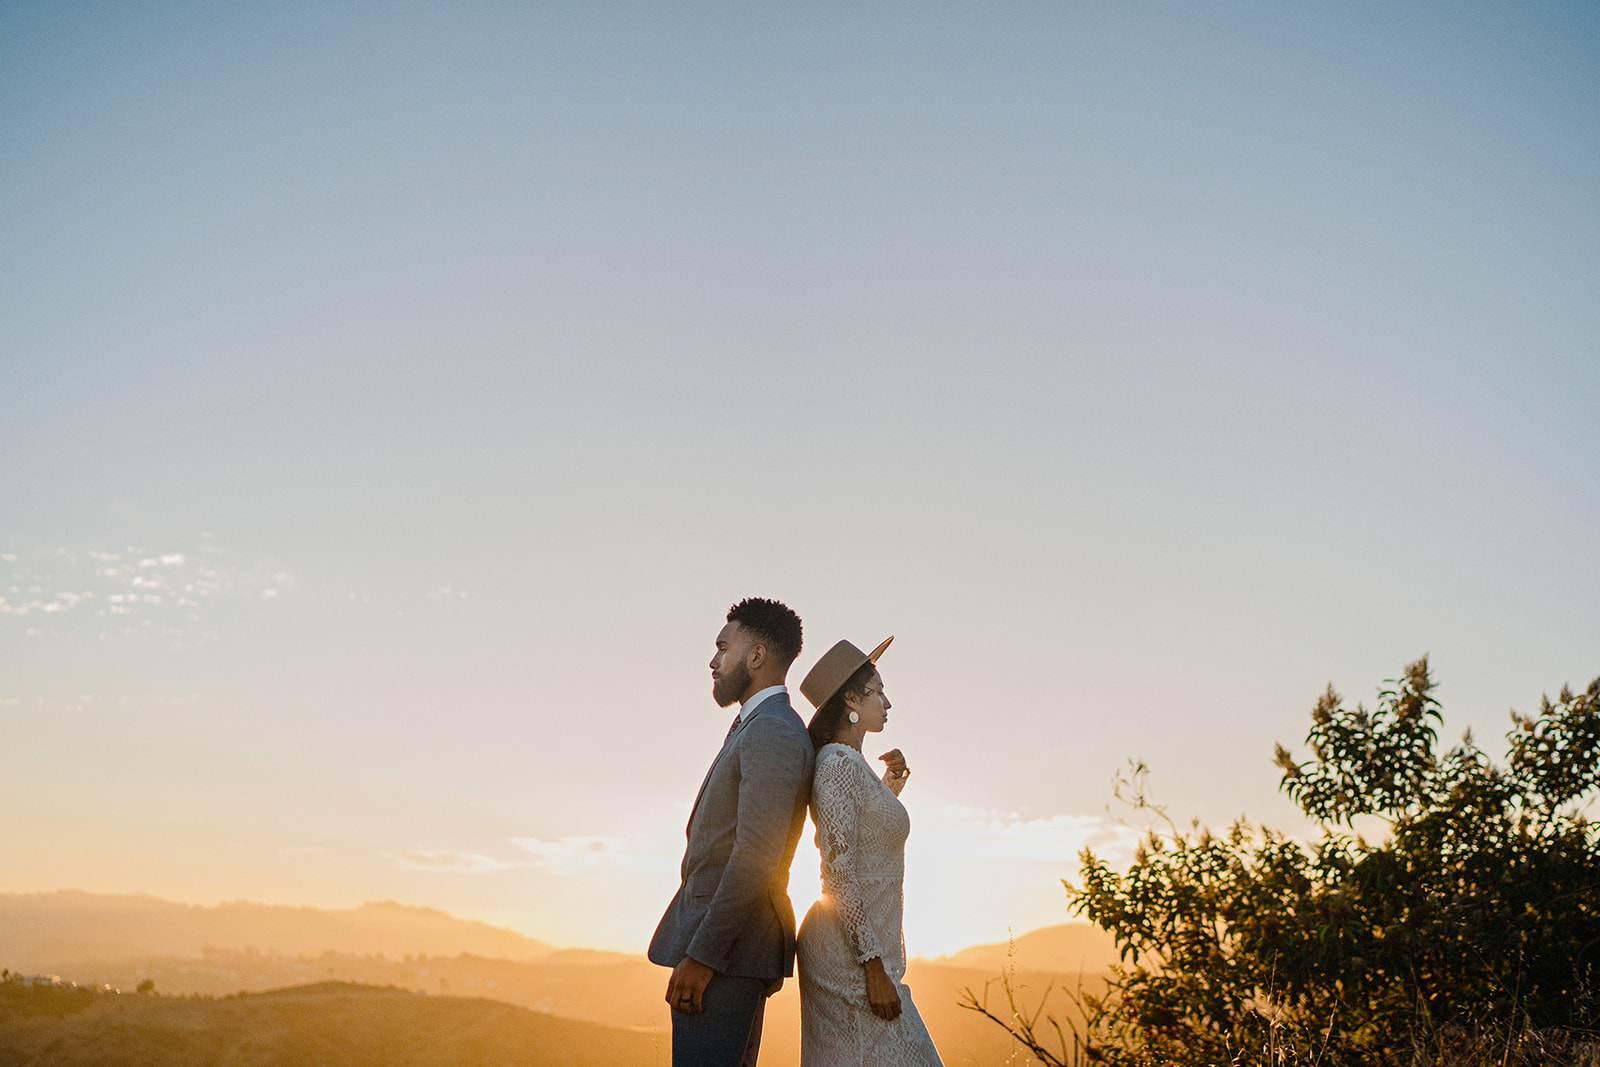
(825, 723)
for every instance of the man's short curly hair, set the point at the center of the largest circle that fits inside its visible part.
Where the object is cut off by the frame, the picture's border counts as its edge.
(772, 624)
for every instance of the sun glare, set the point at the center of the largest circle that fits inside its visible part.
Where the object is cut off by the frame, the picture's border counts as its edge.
(805, 874)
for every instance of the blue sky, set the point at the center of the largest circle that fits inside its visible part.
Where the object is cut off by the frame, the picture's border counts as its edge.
(1144, 368)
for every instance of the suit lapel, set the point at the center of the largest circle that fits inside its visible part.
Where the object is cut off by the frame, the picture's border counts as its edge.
(727, 744)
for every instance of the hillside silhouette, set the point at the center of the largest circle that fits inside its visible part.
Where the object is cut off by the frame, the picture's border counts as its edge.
(327, 1023)
(47, 931)
(218, 952)
(1066, 948)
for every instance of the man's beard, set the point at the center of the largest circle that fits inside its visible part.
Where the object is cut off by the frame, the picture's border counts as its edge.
(730, 686)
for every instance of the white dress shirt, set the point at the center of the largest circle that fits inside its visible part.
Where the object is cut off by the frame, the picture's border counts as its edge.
(755, 702)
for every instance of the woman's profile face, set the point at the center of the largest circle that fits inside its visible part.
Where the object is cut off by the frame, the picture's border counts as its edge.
(873, 706)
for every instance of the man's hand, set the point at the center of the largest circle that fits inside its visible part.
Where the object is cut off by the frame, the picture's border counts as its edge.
(688, 984)
(895, 771)
(881, 993)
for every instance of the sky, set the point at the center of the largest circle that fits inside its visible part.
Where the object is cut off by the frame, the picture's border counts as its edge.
(396, 398)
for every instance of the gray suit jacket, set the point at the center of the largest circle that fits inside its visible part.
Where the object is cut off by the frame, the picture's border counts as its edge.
(732, 910)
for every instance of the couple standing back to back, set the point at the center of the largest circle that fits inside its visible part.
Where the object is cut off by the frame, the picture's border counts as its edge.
(729, 932)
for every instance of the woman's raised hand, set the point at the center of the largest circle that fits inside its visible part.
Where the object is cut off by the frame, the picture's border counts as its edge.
(895, 771)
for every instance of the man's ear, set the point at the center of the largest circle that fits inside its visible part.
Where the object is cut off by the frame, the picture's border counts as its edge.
(756, 656)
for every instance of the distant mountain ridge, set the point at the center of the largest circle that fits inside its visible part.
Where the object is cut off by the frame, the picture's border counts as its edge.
(1066, 948)
(330, 1022)
(123, 941)
(54, 929)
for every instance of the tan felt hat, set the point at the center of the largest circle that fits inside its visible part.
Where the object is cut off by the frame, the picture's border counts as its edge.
(835, 668)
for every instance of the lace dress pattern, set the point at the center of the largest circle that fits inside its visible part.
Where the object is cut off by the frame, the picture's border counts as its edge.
(861, 834)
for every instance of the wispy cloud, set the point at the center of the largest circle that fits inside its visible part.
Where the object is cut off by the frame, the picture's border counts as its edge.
(565, 856)
(464, 862)
(575, 855)
(303, 850)
(178, 594)
(1057, 839)
(132, 592)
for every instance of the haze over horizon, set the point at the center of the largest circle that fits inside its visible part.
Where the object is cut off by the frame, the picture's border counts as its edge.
(395, 403)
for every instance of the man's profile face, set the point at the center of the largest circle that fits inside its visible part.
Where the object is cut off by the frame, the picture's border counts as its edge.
(730, 674)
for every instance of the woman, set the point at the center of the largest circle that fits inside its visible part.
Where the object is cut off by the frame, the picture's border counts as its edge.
(855, 1009)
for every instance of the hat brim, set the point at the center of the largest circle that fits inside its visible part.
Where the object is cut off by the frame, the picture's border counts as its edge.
(836, 666)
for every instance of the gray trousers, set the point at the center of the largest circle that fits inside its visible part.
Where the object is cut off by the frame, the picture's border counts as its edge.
(726, 1032)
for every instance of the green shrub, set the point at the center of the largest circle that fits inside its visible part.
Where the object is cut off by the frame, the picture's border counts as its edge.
(1469, 933)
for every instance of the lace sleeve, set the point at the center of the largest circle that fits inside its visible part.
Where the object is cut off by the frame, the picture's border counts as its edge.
(835, 799)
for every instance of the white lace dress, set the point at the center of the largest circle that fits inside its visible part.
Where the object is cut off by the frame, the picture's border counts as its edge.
(861, 833)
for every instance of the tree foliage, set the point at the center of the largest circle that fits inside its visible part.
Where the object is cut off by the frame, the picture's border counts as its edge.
(1475, 917)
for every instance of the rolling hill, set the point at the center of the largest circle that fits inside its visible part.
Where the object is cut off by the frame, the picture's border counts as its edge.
(48, 931)
(1066, 948)
(332, 1023)
(220, 952)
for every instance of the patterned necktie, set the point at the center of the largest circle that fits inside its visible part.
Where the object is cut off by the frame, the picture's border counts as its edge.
(731, 729)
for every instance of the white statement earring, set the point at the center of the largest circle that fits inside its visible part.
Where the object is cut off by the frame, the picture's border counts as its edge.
(854, 718)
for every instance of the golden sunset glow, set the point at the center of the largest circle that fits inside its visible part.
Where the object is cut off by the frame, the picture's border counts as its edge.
(395, 401)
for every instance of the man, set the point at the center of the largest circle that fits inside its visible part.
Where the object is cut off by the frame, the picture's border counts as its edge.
(728, 934)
